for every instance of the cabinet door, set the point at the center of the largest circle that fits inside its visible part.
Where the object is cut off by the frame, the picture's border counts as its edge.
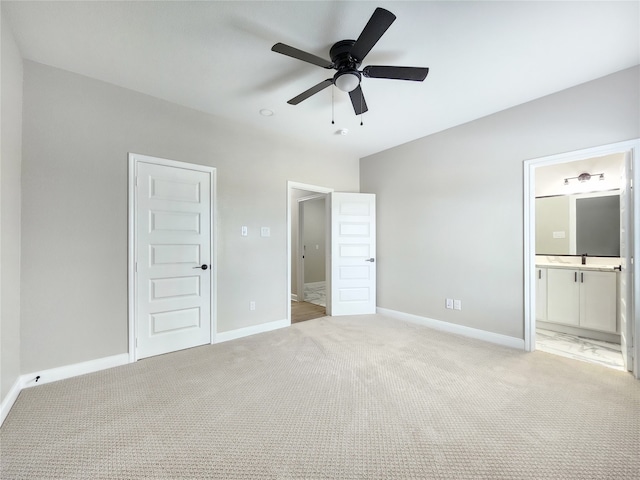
(563, 296)
(541, 294)
(598, 294)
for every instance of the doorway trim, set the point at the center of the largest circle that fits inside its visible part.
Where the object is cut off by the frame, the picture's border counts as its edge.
(291, 185)
(632, 147)
(133, 159)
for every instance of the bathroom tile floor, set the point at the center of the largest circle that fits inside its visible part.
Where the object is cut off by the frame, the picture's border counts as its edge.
(316, 293)
(579, 348)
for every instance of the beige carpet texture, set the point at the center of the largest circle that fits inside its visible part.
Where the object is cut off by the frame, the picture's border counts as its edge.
(363, 397)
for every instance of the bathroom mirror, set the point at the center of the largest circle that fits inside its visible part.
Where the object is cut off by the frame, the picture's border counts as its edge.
(579, 223)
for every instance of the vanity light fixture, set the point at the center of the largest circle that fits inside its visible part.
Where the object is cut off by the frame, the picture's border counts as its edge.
(584, 177)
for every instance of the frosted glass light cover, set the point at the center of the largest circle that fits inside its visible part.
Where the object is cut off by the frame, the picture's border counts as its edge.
(347, 82)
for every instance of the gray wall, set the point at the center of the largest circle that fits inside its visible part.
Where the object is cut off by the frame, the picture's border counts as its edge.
(77, 133)
(450, 205)
(11, 154)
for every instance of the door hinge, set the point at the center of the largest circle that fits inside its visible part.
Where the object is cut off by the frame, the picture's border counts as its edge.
(137, 182)
(136, 343)
(136, 267)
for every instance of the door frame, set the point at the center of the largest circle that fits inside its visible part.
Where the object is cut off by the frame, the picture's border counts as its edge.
(134, 159)
(291, 185)
(633, 148)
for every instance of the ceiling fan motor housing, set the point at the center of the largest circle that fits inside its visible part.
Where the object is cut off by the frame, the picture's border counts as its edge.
(347, 78)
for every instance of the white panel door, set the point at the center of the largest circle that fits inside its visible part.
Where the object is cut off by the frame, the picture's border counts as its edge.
(173, 258)
(625, 296)
(353, 254)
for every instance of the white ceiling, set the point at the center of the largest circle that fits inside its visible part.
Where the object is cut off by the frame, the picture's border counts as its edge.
(484, 56)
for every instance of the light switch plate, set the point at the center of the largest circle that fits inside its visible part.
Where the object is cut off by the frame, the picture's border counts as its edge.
(265, 232)
(245, 231)
(457, 304)
(449, 303)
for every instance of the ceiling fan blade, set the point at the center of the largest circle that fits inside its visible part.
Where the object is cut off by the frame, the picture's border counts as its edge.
(312, 91)
(373, 30)
(357, 100)
(417, 74)
(300, 55)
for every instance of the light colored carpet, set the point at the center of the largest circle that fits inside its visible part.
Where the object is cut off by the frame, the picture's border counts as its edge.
(334, 398)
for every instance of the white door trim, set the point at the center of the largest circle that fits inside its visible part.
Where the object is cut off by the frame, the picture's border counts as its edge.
(311, 188)
(134, 158)
(632, 146)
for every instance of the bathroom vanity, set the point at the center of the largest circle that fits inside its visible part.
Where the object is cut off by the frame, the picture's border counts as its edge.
(582, 297)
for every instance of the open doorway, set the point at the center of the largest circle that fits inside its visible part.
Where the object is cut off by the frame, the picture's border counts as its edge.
(579, 295)
(577, 212)
(309, 269)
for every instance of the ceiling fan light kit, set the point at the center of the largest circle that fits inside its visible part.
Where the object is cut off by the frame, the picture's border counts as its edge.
(346, 58)
(347, 81)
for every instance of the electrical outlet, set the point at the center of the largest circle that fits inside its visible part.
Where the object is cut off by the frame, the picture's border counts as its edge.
(449, 303)
(457, 304)
(252, 305)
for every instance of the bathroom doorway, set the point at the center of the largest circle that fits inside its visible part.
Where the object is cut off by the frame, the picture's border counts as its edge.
(312, 249)
(568, 311)
(308, 244)
(578, 233)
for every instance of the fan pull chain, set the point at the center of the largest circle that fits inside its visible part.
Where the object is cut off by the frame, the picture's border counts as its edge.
(361, 101)
(332, 110)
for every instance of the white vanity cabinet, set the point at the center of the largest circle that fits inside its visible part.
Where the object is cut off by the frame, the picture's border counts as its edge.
(598, 301)
(582, 298)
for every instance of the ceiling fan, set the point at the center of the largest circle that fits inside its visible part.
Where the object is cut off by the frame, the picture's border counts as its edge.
(346, 58)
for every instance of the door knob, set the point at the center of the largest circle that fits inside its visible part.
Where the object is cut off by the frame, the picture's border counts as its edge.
(203, 267)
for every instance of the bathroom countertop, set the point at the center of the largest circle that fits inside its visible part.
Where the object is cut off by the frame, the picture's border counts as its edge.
(568, 266)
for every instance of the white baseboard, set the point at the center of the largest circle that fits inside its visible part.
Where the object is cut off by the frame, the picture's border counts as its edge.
(68, 371)
(294, 297)
(10, 399)
(59, 373)
(246, 331)
(470, 332)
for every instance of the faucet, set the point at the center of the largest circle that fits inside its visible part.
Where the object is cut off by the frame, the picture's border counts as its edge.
(584, 258)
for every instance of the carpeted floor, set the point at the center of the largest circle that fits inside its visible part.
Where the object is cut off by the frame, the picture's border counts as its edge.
(333, 398)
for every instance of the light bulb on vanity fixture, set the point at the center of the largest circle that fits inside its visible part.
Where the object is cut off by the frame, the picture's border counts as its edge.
(584, 177)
